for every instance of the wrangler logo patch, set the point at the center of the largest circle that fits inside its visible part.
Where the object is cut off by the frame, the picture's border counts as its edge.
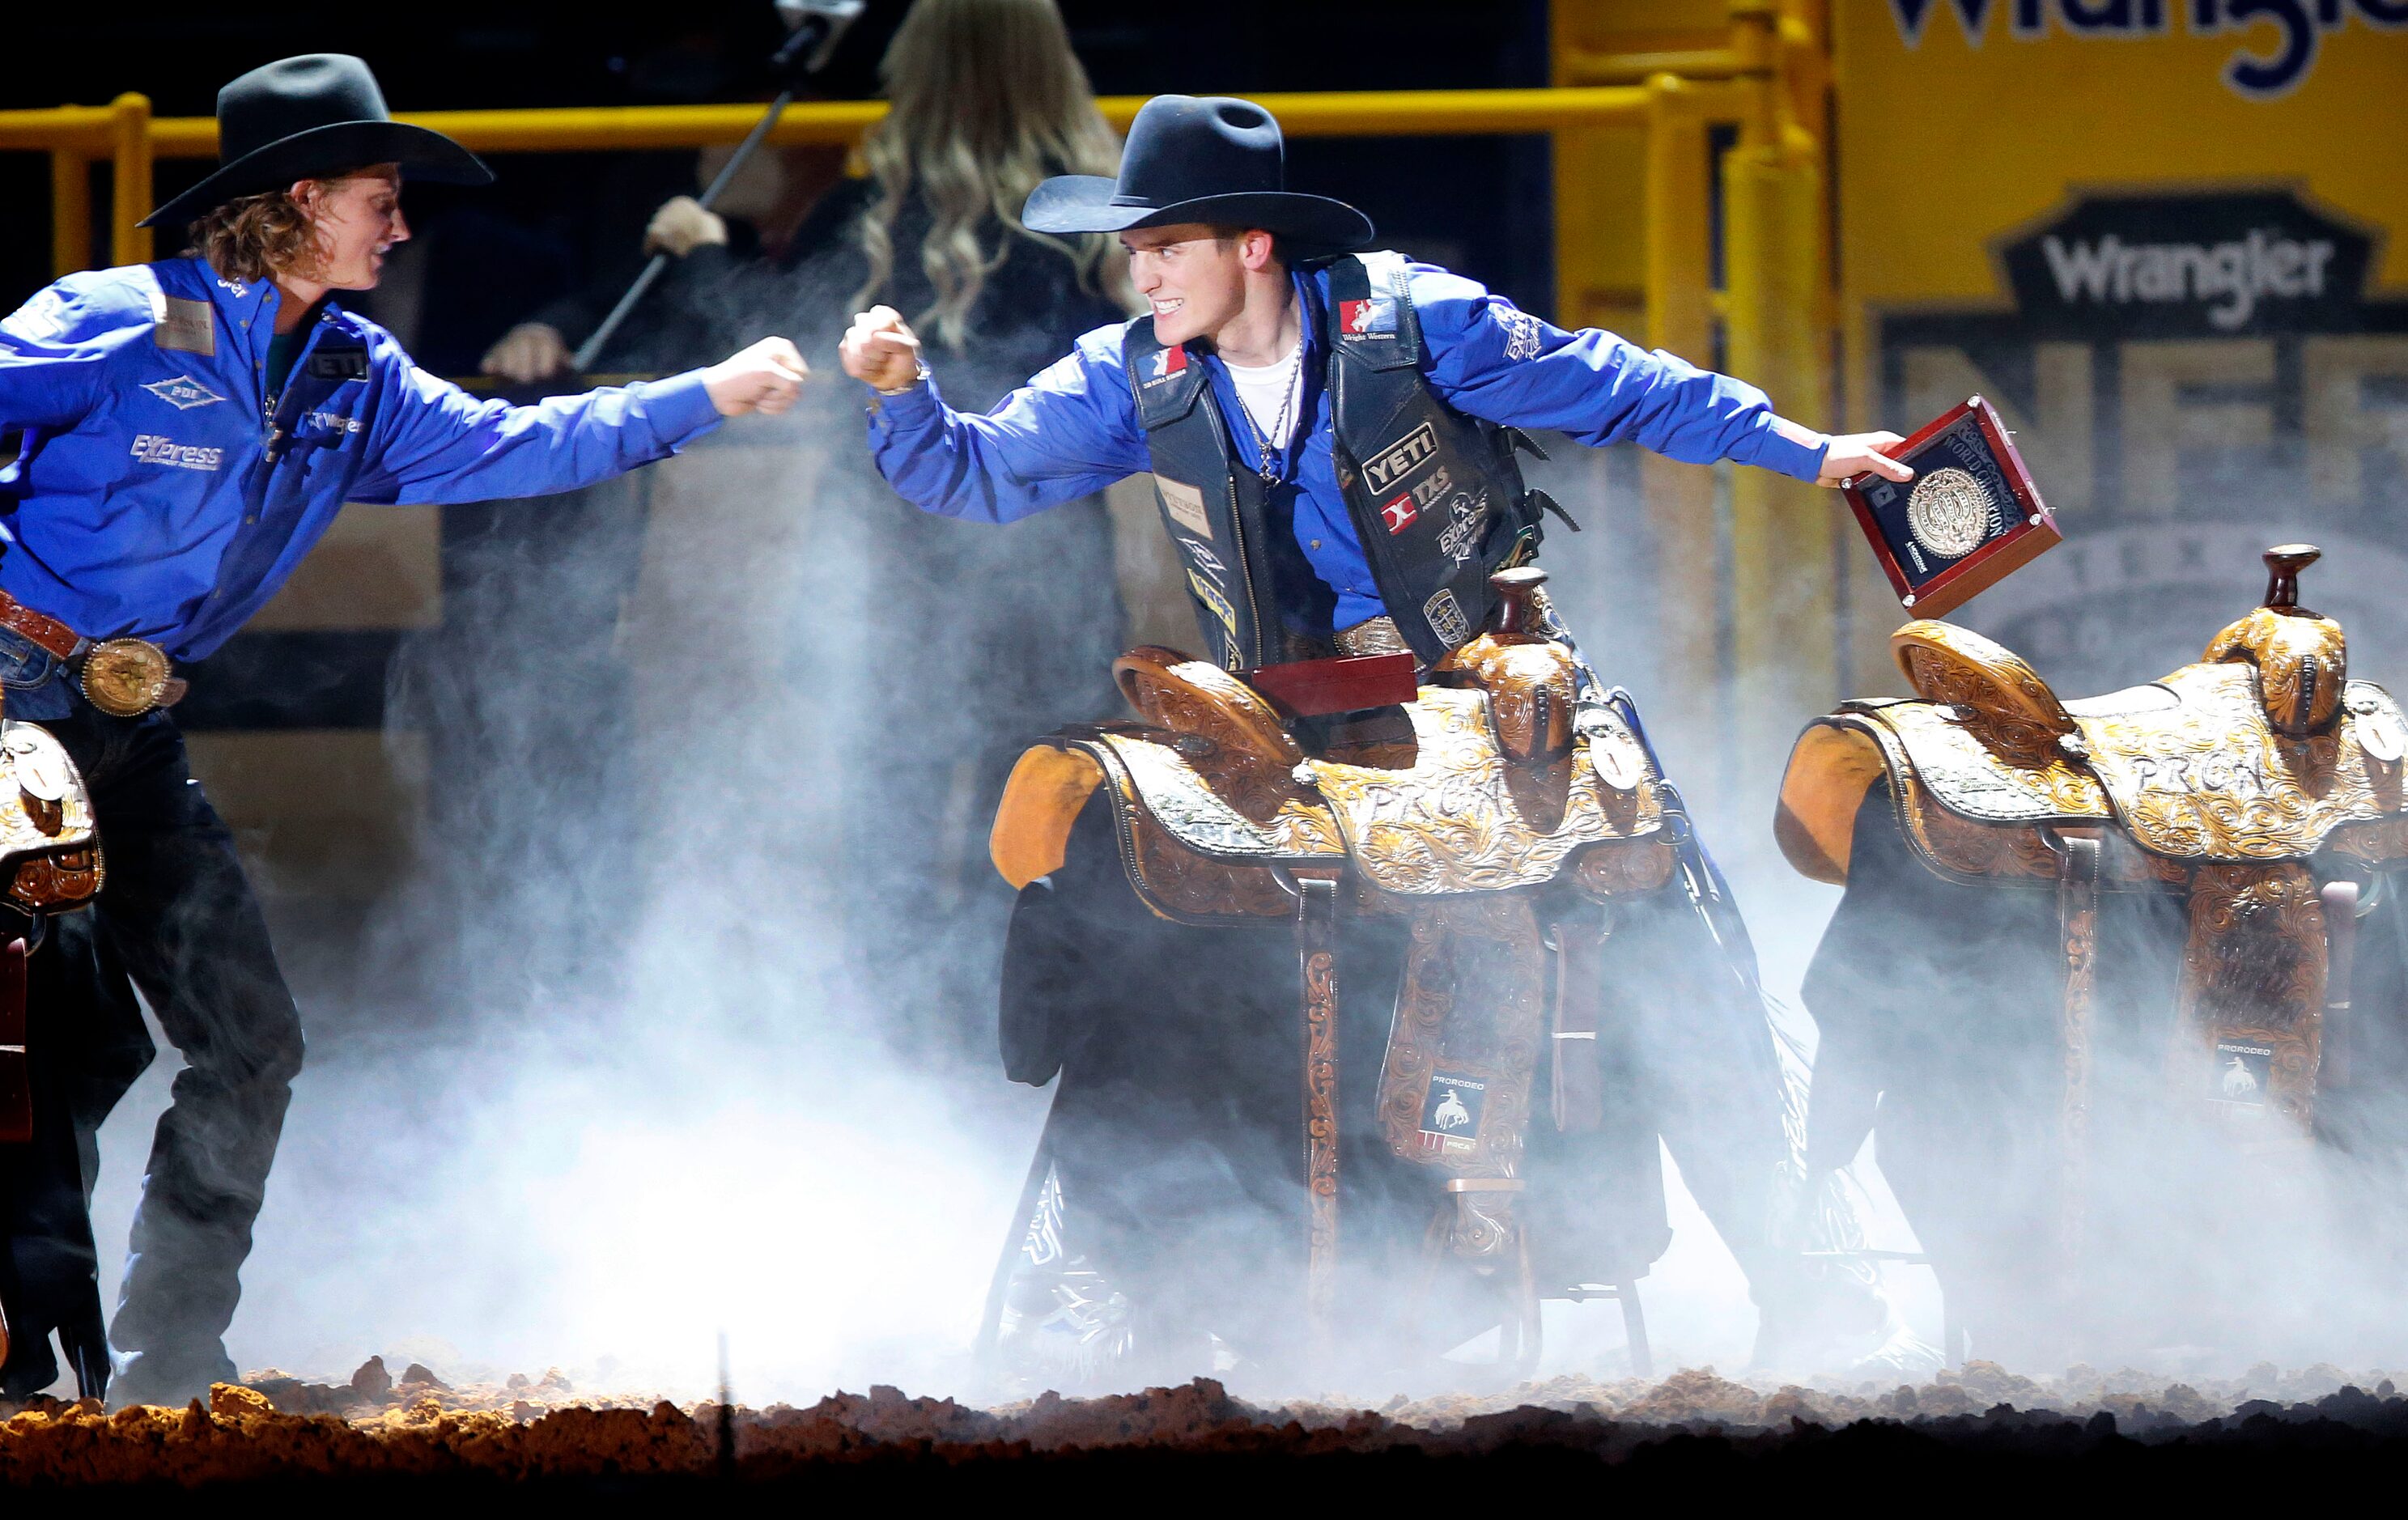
(1186, 505)
(1400, 459)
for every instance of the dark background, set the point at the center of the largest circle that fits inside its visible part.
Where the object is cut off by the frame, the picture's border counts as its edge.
(554, 218)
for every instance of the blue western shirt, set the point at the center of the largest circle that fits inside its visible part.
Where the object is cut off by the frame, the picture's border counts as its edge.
(161, 493)
(1073, 429)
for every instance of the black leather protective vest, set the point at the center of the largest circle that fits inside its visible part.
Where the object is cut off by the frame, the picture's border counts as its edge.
(1436, 498)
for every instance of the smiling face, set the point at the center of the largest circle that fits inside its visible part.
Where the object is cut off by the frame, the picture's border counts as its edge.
(1193, 277)
(352, 222)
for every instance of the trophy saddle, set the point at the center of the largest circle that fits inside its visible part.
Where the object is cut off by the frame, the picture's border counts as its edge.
(1497, 812)
(2240, 782)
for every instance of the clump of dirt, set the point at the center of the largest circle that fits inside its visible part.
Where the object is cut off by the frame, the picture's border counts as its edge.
(273, 1425)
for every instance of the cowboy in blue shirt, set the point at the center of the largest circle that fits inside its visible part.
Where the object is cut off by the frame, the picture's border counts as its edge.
(1360, 412)
(1234, 270)
(188, 429)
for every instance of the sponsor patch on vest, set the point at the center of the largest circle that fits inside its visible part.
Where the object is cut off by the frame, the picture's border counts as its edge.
(1210, 595)
(1186, 505)
(1373, 318)
(1399, 512)
(1462, 536)
(185, 326)
(1167, 364)
(1451, 1111)
(334, 421)
(1402, 458)
(183, 392)
(154, 449)
(1446, 618)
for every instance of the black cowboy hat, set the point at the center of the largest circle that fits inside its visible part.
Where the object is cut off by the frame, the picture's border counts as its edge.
(1211, 160)
(309, 117)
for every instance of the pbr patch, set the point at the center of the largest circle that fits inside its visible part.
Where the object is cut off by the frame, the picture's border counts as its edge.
(2243, 1073)
(1373, 318)
(185, 326)
(1186, 505)
(1168, 363)
(1452, 1109)
(1399, 459)
(183, 392)
(1399, 513)
(1446, 618)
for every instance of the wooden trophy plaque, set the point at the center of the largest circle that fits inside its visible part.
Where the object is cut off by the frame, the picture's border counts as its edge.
(1968, 519)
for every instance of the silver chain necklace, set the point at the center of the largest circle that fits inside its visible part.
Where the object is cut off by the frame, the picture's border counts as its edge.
(1277, 438)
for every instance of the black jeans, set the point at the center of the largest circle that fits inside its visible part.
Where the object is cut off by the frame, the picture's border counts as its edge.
(179, 914)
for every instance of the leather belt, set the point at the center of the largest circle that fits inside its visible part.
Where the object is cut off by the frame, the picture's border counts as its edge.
(124, 678)
(1373, 636)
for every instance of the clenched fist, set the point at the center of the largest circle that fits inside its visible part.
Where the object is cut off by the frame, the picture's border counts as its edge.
(765, 378)
(881, 350)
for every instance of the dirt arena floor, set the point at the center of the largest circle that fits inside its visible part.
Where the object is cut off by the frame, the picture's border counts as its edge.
(419, 1440)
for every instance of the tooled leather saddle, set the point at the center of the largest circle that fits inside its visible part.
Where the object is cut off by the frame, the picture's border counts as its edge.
(2240, 783)
(1497, 813)
(50, 858)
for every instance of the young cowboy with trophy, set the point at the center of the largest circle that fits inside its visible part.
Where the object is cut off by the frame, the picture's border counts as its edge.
(1332, 435)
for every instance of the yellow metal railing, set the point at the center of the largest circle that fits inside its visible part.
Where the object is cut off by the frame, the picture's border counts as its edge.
(1764, 73)
(129, 138)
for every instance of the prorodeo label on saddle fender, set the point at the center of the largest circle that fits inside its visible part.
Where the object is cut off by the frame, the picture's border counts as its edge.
(2243, 1071)
(1451, 1113)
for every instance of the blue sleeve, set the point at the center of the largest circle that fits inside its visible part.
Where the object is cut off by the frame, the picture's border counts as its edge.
(1069, 431)
(1495, 361)
(432, 442)
(55, 350)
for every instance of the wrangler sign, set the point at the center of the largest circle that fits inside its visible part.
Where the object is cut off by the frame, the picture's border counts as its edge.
(2154, 236)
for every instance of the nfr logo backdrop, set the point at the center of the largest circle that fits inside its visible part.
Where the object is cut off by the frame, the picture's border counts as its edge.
(2174, 288)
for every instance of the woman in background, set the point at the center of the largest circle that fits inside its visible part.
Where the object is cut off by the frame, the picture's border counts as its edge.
(964, 644)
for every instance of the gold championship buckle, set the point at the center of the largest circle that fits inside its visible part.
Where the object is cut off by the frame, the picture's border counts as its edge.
(126, 678)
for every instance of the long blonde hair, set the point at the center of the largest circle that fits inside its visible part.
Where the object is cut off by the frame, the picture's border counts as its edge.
(988, 99)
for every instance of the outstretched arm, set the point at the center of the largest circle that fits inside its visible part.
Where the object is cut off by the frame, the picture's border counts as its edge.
(1069, 431)
(435, 443)
(1499, 363)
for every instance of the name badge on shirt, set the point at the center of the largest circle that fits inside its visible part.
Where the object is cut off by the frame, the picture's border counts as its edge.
(185, 326)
